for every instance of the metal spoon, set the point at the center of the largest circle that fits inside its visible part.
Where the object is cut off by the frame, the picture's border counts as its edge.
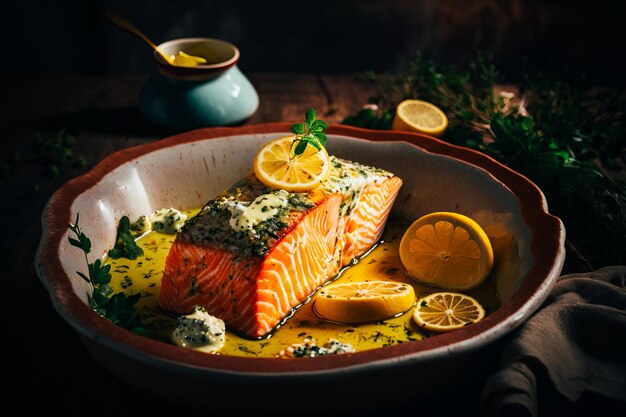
(181, 59)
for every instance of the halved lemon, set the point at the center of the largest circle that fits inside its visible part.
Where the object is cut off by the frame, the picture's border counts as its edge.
(364, 301)
(420, 116)
(446, 311)
(447, 250)
(276, 166)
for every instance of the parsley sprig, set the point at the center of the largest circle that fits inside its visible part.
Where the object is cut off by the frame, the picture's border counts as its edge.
(125, 245)
(311, 132)
(116, 307)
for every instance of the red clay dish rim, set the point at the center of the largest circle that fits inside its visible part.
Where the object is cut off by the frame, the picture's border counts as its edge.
(548, 253)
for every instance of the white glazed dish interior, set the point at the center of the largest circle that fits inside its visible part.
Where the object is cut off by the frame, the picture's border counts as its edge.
(189, 174)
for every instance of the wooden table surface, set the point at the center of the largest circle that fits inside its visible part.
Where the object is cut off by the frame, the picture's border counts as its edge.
(102, 113)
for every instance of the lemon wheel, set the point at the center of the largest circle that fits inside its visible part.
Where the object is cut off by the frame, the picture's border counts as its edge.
(447, 250)
(364, 301)
(447, 311)
(276, 166)
(420, 116)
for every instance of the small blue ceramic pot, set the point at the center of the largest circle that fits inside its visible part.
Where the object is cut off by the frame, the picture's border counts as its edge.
(212, 94)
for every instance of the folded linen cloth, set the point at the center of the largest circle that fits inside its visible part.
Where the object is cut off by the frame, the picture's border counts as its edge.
(576, 342)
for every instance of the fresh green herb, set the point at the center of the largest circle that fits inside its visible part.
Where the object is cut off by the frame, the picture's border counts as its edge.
(55, 152)
(118, 307)
(371, 117)
(127, 281)
(309, 133)
(246, 349)
(565, 138)
(194, 288)
(298, 201)
(52, 151)
(125, 245)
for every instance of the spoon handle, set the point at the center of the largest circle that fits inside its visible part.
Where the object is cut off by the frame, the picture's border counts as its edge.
(123, 23)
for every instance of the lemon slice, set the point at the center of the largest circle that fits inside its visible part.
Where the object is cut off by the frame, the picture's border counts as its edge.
(447, 250)
(420, 116)
(365, 301)
(446, 311)
(276, 166)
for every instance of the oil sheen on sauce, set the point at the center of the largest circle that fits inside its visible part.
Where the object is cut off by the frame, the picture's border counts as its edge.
(143, 276)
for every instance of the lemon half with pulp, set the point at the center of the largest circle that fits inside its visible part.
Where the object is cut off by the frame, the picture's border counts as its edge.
(420, 116)
(447, 250)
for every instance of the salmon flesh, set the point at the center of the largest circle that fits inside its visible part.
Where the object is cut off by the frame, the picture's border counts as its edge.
(254, 253)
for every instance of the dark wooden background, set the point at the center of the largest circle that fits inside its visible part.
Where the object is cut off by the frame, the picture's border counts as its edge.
(563, 37)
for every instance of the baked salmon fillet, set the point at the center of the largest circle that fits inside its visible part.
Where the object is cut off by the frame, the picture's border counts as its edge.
(254, 253)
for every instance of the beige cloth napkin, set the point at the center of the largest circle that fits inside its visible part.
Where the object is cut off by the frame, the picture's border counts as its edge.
(576, 342)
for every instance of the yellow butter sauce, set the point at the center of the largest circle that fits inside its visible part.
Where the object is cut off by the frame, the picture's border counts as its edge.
(143, 276)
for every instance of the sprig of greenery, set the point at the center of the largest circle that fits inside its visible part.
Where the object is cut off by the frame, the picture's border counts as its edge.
(371, 117)
(125, 245)
(565, 138)
(118, 307)
(309, 133)
(53, 151)
(56, 152)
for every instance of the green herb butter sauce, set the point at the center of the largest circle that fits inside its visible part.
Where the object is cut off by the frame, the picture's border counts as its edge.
(141, 225)
(143, 276)
(165, 220)
(350, 179)
(310, 349)
(244, 216)
(201, 331)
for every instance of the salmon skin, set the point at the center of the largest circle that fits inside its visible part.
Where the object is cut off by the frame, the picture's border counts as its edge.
(254, 253)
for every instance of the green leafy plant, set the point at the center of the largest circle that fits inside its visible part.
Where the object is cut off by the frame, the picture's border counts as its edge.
(564, 137)
(311, 132)
(125, 245)
(371, 117)
(52, 151)
(55, 152)
(116, 307)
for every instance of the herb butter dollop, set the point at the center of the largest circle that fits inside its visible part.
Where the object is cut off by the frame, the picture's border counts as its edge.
(310, 349)
(200, 331)
(165, 220)
(245, 216)
(350, 179)
(141, 225)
